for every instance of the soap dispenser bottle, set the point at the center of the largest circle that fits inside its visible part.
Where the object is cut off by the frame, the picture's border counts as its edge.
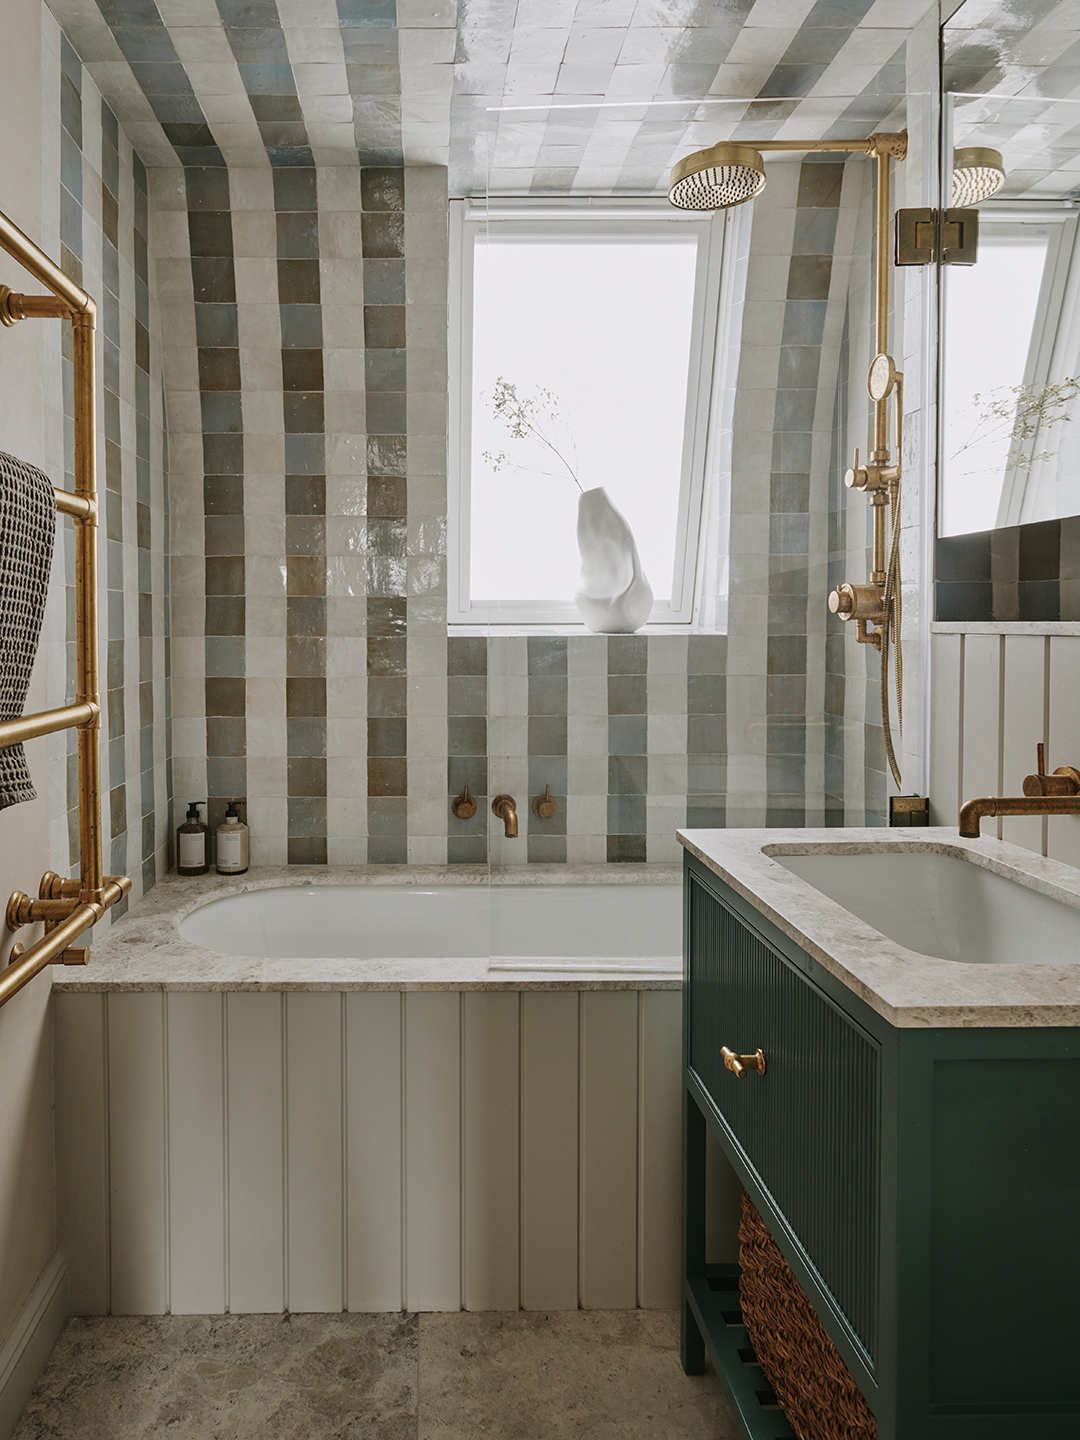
(232, 844)
(193, 843)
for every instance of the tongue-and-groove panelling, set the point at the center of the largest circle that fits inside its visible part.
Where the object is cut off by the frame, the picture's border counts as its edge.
(319, 1151)
(995, 697)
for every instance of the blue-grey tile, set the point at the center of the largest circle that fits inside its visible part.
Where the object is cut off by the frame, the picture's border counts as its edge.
(627, 735)
(626, 814)
(627, 654)
(384, 282)
(547, 735)
(546, 655)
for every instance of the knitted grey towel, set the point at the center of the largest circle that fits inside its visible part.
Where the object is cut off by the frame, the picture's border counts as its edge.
(27, 529)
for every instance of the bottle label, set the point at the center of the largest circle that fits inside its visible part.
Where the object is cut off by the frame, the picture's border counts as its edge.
(228, 849)
(192, 850)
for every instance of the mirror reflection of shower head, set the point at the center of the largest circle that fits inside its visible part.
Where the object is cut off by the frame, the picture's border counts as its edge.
(718, 178)
(977, 174)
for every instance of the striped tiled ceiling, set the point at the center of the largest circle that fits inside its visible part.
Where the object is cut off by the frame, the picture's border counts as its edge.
(341, 82)
(1024, 57)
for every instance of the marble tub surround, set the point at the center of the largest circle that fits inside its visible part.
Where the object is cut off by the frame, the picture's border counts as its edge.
(385, 1376)
(907, 988)
(147, 951)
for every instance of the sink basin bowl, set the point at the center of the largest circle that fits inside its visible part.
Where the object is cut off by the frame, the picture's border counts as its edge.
(944, 906)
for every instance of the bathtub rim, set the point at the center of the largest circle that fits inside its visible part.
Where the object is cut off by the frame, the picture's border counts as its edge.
(144, 950)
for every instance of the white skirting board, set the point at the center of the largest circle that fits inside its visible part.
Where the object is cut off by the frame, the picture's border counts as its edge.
(320, 1151)
(30, 1340)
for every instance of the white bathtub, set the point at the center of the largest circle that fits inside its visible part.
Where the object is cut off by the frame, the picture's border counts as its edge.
(617, 929)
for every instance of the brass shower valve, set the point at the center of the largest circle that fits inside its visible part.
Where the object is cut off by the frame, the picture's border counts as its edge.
(873, 477)
(864, 605)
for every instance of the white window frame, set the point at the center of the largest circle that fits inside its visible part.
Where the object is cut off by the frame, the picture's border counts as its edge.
(473, 222)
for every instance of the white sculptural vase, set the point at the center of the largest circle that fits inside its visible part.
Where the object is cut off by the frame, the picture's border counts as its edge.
(614, 597)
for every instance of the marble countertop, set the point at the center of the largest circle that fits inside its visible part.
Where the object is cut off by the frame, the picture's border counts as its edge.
(905, 987)
(144, 950)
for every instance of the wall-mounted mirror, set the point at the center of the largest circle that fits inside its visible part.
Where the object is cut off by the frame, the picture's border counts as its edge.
(1010, 323)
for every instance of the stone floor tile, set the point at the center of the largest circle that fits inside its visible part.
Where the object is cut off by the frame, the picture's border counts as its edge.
(534, 1375)
(228, 1377)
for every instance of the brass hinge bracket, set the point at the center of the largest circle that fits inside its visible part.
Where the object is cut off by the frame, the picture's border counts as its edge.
(924, 236)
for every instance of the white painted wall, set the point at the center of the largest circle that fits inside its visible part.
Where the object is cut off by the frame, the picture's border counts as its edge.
(27, 1207)
(318, 1151)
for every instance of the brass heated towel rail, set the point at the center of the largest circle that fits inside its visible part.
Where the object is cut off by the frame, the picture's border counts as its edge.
(68, 907)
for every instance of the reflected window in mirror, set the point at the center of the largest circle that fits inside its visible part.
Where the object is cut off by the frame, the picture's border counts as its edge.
(1011, 358)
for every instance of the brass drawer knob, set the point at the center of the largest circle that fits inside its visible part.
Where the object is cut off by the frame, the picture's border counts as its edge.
(739, 1064)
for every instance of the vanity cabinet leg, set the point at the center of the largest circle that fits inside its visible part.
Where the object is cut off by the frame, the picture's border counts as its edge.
(693, 1228)
(691, 1345)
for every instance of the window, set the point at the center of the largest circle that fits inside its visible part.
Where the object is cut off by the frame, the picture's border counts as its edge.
(612, 310)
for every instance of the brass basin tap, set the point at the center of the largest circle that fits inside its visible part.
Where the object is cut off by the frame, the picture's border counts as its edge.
(1056, 794)
(505, 807)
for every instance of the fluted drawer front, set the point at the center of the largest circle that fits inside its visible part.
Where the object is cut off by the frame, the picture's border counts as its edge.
(810, 1127)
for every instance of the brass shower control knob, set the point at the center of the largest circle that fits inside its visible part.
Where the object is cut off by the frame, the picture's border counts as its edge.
(544, 807)
(857, 602)
(464, 807)
(740, 1064)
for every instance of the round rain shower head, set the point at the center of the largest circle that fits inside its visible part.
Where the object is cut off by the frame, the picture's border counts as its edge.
(718, 178)
(977, 174)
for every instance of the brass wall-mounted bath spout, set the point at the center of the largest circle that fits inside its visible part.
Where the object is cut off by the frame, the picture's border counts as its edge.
(1056, 794)
(505, 807)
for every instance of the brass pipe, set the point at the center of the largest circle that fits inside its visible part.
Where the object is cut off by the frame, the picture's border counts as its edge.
(67, 912)
(90, 864)
(881, 299)
(974, 811)
(56, 905)
(879, 502)
(32, 961)
(80, 506)
(815, 147)
(46, 722)
(20, 247)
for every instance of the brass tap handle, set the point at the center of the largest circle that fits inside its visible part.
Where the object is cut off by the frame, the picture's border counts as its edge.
(1064, 781)
(544, 806)
(464, 807)
(739, 1064)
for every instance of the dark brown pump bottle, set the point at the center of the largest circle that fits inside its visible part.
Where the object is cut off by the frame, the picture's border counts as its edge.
(193, 843)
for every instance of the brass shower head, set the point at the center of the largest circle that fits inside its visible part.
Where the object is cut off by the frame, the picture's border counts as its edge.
(977, 174)
(718, 178)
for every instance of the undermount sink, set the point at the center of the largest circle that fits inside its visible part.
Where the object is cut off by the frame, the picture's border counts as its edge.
(944, 906)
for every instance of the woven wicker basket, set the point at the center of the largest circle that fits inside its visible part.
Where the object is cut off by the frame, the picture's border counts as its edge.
(800, 1362)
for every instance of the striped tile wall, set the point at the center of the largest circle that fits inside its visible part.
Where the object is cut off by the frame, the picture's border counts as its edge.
(102, 219)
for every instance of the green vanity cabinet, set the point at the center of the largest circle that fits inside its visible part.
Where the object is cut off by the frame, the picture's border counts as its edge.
(923, 1185)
